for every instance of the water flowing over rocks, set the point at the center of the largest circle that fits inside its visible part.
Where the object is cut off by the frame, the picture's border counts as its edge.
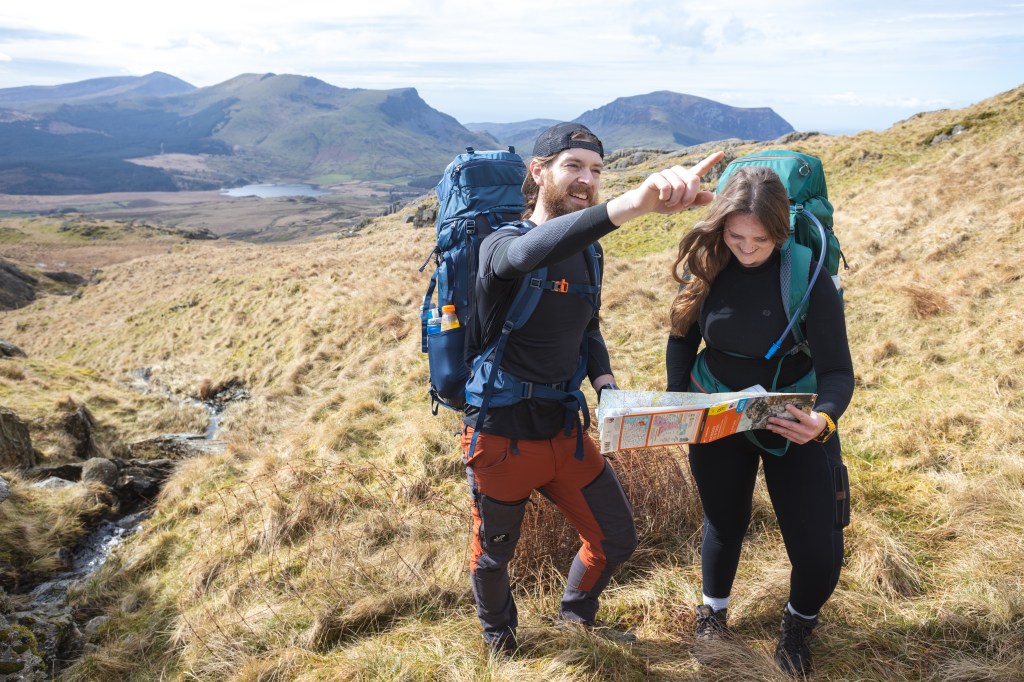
(39, 636)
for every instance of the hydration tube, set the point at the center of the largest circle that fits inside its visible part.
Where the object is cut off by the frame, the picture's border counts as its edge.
(810, 285)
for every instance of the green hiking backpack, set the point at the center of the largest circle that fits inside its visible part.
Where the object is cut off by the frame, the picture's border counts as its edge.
(811, 236)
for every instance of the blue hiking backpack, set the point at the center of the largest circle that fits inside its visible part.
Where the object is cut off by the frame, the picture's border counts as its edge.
(481, 192)
(811, 232)
(478, 192)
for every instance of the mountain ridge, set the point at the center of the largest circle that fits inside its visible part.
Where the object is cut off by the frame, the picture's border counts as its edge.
(93, 90)
(116, 134)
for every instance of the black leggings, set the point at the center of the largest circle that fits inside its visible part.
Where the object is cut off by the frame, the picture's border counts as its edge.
(810, 494)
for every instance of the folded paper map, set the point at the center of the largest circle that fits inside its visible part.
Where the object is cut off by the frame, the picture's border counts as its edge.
(629, 420)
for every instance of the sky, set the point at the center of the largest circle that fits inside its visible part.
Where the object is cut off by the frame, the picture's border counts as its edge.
(826, 66)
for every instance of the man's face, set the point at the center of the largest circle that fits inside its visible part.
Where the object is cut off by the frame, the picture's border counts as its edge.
(571, 182)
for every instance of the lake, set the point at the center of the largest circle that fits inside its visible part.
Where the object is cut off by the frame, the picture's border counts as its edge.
(270, 191)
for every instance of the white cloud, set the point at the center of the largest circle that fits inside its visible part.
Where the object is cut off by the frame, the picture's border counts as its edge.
(819, 65)
(859, 100)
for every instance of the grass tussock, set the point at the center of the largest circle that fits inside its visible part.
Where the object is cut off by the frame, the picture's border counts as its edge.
(39, 527)
(330, 541)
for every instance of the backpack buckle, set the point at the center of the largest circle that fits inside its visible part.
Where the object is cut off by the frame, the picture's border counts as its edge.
(561, 286)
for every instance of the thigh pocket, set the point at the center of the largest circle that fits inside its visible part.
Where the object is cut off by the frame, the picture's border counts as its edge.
(500, 524)
(841, 485)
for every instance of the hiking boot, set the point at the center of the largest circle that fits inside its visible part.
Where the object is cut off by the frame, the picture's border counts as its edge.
(505, 646)
(710, 629)
(792, 654)
(711, 624)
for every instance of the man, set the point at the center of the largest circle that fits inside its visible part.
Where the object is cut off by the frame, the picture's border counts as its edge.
(538, 443)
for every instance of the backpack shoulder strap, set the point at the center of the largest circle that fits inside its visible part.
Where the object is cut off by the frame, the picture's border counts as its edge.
(795, 281)
(794, 275)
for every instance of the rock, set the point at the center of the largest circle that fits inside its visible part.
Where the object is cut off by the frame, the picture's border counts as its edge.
(17, 289)
(133, 481)
(176, 445)
(20, 657)
(5, 489)
(16, 450)
(57, 636)
(64, 277)
(53, 483)
(139, 481)
(69, 472)
(947, 135)
(9, 350)
(80, 425)
(199, 233)
(101, 470)
(93, 627)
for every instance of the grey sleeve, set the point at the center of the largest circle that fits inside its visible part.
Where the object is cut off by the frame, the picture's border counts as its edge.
(554, 241)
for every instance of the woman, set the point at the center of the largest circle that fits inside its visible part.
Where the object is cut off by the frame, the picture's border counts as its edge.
(731, 298)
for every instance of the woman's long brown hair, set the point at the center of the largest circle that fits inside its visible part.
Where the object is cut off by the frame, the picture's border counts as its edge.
(703, 253)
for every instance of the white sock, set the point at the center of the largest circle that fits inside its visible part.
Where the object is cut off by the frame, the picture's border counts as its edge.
(717, 603)
(789, 607)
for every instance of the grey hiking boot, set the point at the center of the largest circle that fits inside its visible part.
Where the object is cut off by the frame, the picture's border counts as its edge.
(711, 624)
(505, 646)
(710, 629)
(793, 653)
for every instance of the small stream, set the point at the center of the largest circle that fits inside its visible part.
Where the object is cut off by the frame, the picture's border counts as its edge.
(45, 605)
(89, 555)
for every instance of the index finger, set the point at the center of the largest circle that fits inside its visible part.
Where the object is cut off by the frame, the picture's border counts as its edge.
(708, 163)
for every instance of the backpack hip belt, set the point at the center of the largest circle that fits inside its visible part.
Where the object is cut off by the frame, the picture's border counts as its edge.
(703, 381)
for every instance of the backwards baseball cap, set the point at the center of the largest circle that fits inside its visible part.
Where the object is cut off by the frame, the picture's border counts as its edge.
(558, 138)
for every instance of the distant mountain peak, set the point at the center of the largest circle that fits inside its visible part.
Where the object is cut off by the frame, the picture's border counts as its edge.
(668, 119)
(93, 91)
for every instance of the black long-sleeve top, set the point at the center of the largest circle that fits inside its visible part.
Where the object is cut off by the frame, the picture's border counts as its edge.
(546, 348)
(744, 314)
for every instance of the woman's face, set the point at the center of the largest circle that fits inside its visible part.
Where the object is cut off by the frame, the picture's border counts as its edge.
(748, 239)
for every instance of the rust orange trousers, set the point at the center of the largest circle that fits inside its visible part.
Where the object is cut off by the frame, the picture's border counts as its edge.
(502, 473)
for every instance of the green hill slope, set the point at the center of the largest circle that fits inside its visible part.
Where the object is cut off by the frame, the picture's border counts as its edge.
(330, 540)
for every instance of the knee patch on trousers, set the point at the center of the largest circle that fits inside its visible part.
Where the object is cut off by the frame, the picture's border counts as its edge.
(500, 525)
(614, 514)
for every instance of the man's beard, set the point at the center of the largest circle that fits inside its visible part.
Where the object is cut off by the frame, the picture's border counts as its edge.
(556, 201)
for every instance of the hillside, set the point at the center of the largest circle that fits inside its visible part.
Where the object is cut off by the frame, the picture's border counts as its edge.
(252, 128)
(94, 90)
(330, 540)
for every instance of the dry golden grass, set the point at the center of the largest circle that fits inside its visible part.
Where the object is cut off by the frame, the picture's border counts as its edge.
(330, 541)
(35, 522)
